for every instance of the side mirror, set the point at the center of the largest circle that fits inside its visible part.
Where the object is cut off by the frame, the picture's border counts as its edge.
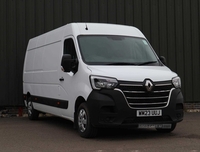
(69, 64)
(163, 60)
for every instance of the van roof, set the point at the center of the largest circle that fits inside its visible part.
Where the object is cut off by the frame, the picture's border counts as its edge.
(77, 29)
(109, 29)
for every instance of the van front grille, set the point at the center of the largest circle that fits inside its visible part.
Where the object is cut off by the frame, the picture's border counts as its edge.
(138, 97)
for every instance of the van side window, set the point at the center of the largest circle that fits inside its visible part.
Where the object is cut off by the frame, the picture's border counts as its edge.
(69, 48)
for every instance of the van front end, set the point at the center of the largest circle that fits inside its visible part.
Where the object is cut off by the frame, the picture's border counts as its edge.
(144, 104)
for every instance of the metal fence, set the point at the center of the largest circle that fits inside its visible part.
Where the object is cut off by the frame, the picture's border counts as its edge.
(171, 26)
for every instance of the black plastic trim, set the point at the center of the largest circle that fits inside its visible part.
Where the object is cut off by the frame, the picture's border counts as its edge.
(109, 108)
(63, 104)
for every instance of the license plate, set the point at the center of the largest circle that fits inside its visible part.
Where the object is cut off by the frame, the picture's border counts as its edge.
(149, 113)
(163, 126)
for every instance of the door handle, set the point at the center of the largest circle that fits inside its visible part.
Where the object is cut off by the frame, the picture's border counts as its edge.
(61, 79)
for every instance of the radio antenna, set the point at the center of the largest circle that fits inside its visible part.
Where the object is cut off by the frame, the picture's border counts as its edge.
(86, 28)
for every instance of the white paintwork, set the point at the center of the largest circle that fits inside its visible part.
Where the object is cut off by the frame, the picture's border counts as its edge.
(42, 68)
(134, 73)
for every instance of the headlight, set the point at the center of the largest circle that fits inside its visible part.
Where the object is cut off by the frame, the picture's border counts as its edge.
(176, 82)
(103, 82)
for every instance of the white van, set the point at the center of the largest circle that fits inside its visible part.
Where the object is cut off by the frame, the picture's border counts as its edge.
(100, 75)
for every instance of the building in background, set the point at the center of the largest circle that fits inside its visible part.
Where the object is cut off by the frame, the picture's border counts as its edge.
(171, 26)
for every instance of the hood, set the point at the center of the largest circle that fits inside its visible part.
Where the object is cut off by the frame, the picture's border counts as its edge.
(134, 73)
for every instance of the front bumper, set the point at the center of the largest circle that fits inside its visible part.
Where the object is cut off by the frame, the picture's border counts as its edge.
(109, 108)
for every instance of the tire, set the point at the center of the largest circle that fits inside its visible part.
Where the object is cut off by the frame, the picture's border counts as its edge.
(173, 126)
(85, 128)
(32, 113)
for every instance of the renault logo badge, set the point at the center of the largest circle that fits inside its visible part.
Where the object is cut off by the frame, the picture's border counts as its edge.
(148, 85)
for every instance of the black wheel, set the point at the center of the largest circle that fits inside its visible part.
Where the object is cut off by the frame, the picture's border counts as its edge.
(84, 126)
(32, 113)
(163, 130)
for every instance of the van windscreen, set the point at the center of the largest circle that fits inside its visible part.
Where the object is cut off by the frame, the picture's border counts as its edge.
(116, 50)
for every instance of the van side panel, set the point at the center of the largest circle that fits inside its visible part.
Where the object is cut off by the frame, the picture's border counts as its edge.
(41, 73)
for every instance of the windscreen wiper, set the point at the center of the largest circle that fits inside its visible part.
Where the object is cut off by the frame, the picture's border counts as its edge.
(146, 63)
(121, 63)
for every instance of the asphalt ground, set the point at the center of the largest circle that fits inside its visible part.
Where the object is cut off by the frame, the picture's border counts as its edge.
(52, 134)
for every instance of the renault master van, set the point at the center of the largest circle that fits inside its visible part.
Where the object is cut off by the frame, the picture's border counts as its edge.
(100, 75)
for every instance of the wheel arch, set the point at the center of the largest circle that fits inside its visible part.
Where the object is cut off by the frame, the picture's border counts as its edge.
(25, 98)
(28, 95)
(78, 102)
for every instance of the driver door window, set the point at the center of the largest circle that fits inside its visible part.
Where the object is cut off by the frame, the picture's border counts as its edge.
(69, 48)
